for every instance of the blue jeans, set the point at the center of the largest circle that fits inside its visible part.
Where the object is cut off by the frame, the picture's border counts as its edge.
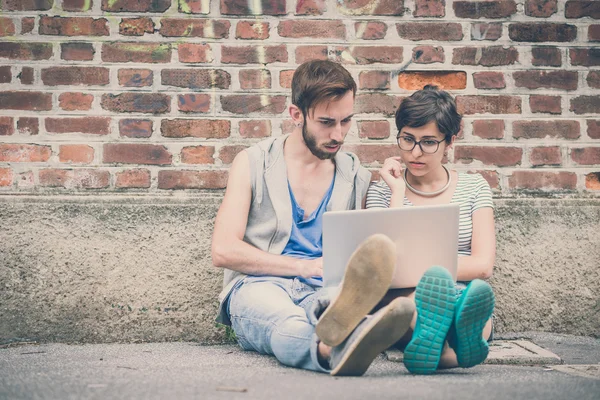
(272, 315)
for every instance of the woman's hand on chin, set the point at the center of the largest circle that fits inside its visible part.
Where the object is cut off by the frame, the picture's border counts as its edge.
(393, 174)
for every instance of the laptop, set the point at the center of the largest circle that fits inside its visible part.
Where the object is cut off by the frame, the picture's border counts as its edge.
(424, 236)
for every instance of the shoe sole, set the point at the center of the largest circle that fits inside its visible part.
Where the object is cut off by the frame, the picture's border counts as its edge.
(381, 333)
(435, 299)
(471, 316)
(367, 278)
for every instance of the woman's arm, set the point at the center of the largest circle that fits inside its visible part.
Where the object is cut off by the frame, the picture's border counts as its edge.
(480, 264)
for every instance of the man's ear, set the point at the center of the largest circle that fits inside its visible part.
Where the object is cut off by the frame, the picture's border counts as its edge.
(296, 115)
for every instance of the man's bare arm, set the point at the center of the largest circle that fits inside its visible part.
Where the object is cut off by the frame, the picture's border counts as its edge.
(228, 248)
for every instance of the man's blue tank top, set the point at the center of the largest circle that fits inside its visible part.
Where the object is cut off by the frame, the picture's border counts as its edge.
(306, 239)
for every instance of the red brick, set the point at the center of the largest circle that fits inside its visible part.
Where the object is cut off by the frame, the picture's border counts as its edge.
(593, 128)
(136, 52)
(154, 103)
(252, 30)
(56, 76)
(499, 156)
(77, 51)
(35, 101)
(430, 8)
(541, 32)
(488, 104)
(73, 26)
(200, 128)
(135, 128)
(255, 79)
(484, 9)
(377, 80)
(594, 33)
(306, 53)
(7, 27)
(285, 78)
(321, 29)
(71, 101)
(28, 125)
(5, 74)
(25, 180)
(128, 153)
(592, 181)
(430, 31)
(75, 178)
(447, 80)
(428, 54)
(363, 55)
(586, 156)
(24, 152)
(489, 80)
(196, 78)
(377, 103)
(228, 153)
(194, 53)
(541, 156)
(370, 30)
(311, 7)
(545, 104)
(196, 102)
(486, 31)
(26, 76)
(373, 153)
(585, 57)
(244, 7)
(6, 177)
(155, 6)
(485, 56)
(255, 128)
(204, 28)
(535, 180)
(27, 25)
(253, 54)
(374, 129)
(491, 177)
(580, 9)
(198, 155)
(541, 129)
(174, 180)
(585, 105)
(25, 51)
(76, 153)
(546, 56)
(7, 126)
(244, 104)
(133, 178)
(593, 79)
(565, 80)
(540, 8)
(135, 77)
(136, 26)
(26, 5)
(371, 7)
(489, 128)
(77, 5)
(93, 125)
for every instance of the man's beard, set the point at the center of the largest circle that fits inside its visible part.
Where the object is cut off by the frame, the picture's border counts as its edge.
(311, 143)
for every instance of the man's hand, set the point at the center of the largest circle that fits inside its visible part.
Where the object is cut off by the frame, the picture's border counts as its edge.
(391, 172)
(310, 268)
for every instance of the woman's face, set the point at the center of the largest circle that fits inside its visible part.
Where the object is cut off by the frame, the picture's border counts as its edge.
(418, 162)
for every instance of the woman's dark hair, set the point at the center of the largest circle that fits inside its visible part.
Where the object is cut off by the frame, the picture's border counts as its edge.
(426, 105)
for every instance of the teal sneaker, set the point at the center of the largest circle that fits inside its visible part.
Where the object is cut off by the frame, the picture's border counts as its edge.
(435, 297)
(473, 309)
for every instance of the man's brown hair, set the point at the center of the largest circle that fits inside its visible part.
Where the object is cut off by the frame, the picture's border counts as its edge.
(319, 80)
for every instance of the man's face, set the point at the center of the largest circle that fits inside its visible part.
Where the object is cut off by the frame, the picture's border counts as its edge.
(327, 125)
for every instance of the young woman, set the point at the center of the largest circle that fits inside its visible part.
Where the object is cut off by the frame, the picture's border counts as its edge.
(447, 313)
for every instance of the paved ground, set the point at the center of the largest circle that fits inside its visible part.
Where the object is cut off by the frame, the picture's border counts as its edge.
(187, 370)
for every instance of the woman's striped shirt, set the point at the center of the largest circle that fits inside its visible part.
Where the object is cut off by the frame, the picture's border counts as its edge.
(472, 193)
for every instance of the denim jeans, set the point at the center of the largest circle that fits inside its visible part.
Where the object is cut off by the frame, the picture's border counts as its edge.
(272, 315)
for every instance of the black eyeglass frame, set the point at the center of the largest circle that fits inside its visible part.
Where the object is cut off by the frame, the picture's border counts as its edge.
(419, 143)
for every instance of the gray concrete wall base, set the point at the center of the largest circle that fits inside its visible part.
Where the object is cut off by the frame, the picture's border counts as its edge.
(98, 268)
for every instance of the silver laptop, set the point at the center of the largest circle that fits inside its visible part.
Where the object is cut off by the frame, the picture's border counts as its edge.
(424, 236)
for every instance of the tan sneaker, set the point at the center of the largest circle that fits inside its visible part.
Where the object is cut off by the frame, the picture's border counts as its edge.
(367, 279)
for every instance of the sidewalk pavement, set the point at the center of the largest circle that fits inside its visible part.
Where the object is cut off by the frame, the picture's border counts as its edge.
(528, 365)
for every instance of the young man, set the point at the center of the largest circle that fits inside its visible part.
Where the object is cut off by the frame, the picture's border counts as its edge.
(268, 238)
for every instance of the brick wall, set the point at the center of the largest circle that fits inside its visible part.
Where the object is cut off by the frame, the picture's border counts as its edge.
(159, 95)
